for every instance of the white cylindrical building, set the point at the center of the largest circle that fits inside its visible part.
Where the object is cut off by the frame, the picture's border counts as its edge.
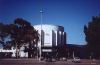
(52, 35)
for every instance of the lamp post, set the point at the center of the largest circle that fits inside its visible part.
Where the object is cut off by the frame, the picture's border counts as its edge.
(73, 54)
(41, 36)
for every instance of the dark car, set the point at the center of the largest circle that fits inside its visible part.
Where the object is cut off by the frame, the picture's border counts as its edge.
(57, 57)
(48, 58)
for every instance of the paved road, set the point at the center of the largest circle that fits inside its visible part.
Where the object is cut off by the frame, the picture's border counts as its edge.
(36, 62)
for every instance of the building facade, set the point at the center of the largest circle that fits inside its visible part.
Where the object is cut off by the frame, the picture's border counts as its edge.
(50, 36)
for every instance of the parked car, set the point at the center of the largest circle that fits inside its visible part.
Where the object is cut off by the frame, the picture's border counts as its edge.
(57, 57)
(76, 60)
(64, 58)
(48, 58)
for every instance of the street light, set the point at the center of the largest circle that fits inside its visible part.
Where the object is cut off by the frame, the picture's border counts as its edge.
(41, 36)
(73, 54)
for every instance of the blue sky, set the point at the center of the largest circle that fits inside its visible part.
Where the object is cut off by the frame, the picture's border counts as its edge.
(71, 14)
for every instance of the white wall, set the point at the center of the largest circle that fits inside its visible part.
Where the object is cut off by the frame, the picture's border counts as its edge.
(48, 38)
(51, 35)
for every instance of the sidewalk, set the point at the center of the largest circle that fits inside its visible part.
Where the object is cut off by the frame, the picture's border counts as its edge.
(19, 59)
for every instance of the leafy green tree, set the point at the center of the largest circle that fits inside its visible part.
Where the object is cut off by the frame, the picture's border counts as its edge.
(31, 38)
(18, 32)
(4, 36)
(92, 33)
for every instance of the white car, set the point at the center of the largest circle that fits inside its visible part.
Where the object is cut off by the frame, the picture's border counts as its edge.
(64, 59)
(76, 60)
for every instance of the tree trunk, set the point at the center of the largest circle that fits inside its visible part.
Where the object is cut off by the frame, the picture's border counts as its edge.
(29, 51)
(17, 52)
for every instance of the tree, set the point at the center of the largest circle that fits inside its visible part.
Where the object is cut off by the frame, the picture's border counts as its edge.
(4, 36)
(20, 30)
(17, 32)
(92, 33)
(32, 38)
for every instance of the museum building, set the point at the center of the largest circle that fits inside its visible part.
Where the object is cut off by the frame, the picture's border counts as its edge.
(52, 37)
